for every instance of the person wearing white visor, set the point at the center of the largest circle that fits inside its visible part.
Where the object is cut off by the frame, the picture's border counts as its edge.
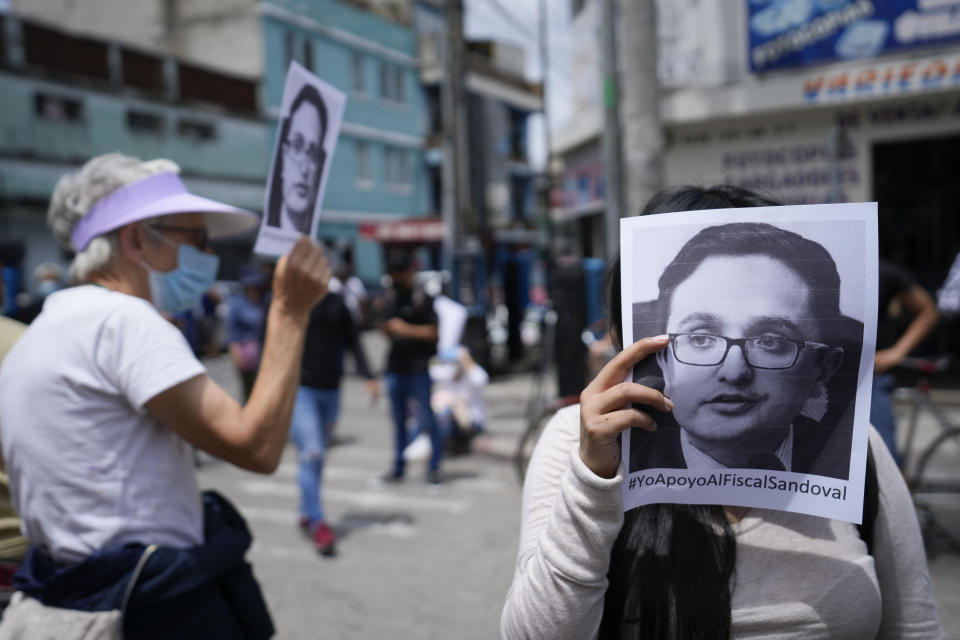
(102, 397)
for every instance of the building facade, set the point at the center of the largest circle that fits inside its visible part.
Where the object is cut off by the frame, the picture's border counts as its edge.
(809, 102)
(66, 97)
(366, 49)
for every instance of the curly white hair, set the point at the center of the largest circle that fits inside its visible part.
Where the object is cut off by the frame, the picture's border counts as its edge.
(77, 192)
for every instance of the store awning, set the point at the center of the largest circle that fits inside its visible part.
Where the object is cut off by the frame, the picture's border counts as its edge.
(413, 231)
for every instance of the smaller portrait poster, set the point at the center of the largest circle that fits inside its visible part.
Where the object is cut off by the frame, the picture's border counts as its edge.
(771, 314)
(307, 132)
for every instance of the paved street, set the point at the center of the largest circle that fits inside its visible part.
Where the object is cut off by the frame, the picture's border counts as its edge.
(414, 560)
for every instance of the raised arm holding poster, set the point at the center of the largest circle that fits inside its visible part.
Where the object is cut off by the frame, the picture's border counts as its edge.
(771, 317)
(310, 118)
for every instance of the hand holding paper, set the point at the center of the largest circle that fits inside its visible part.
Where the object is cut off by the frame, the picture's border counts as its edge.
(605, 407)
(301, 277)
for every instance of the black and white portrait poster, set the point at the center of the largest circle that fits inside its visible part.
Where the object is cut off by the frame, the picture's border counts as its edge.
(310, 118)
(771, 314)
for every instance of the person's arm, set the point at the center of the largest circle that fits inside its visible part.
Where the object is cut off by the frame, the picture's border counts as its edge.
(253, 436)
(925, 318)
(573, 508)
(476, 375)
(570, 520)
(399, 328)
(909, 610)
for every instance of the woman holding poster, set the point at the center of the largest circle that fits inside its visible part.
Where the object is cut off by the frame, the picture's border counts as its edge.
(585, 569)
(102, 402)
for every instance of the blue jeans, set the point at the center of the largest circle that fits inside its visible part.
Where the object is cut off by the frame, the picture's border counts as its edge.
(314, 412)
(401, 388)
(881, 413)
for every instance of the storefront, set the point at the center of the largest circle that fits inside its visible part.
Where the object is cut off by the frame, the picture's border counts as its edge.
(885, 131)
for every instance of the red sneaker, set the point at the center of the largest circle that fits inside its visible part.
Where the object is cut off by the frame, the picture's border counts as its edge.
(324, 539)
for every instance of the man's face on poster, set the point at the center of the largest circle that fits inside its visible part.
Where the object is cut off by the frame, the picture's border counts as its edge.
(746, 395)
(301, 163)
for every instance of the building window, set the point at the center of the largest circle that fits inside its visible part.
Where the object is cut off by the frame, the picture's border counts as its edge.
(364, 169)
(358, 73)
(145, 122)
(196, 130)
(307, 54)
(57, 108)
(398, 172)
(299, 48)
(391, 82)
(399, 94)
(290, 47)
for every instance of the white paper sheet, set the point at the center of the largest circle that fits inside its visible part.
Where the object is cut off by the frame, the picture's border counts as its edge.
(307, 132)
(734, 422)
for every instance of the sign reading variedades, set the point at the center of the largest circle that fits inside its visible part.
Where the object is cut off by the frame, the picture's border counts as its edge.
(790, 33)
(771, 313)
(310, 117)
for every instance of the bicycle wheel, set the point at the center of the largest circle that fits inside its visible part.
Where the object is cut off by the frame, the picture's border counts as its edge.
(528, 440)
(936, 492)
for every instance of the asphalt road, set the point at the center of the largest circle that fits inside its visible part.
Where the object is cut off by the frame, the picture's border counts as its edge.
(413, 560)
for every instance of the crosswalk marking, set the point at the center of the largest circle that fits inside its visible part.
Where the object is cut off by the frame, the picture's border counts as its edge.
(393, 528)
(366, 499)
(335, 472)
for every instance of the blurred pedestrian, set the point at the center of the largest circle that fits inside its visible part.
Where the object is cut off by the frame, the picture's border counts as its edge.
(47, 278)
(101, 398)
(352, 289)
(896, 286)
(246, 319)
(330, 332)
(457, 398)
(411, 326)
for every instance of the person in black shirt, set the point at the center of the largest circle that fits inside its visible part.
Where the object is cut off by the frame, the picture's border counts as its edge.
(411, 325)
(896, 284)
(330, 331)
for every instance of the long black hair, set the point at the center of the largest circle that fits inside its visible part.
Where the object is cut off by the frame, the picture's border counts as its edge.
(672, 565)
(307, 93)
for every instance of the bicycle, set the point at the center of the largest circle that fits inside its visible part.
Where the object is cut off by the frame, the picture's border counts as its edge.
(539, 409)
(933, 472)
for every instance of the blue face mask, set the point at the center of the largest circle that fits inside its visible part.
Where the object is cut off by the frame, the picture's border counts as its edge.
(183, 288)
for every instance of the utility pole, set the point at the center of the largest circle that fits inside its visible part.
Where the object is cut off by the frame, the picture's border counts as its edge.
(542, 24)
(643, 137)
(453, 118)
(612, 155)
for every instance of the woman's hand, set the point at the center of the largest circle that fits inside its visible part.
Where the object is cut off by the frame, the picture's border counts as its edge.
(605, 407)
(300, 278)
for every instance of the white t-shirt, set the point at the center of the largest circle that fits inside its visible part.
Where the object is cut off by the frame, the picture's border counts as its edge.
(467, 389)
(88, 465)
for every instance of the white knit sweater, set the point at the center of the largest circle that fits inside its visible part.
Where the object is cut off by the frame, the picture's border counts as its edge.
(796, 576)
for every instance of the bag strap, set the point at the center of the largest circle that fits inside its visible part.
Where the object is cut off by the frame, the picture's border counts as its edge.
(136, 575)
(871, 500)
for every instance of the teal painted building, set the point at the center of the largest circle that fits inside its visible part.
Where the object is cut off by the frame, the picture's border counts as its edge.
(378, 173)
(65, 98)
(212, 108)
